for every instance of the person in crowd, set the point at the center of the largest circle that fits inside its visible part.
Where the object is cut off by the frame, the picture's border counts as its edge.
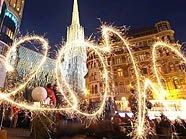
(109, 109)
(64, 119)
(21, 117)
(156, 122)
(165, 126)
(51, 94)
(127, 120)
(15, 116)
(7, 117)
(184, 127)
(165, 122)
(58, 95)
(133, 102)
(117, 120)
(178, 127)
(183, 123)
(1, 114)
(152, 128)
(27, 119)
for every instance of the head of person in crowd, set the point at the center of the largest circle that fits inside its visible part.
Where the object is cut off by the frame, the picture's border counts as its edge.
(132, 90)
(49, 86)
(110, 99)
(51, 94)
(55, 87)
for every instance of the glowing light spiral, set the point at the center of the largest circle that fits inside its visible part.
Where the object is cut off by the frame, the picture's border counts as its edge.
(142, 84)
(16, 44)
(74, 104)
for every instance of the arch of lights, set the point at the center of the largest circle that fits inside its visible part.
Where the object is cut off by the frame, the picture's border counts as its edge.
(142, 84)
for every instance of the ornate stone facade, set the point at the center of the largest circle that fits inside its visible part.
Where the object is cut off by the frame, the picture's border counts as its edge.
(172, 70)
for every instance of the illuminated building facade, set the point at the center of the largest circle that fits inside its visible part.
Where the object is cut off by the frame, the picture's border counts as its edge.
(74, 65)
(29, 60)
(123, 77)
(10, 20)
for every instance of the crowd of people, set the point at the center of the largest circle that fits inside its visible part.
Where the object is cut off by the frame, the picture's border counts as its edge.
(160, 126)
(14, 117)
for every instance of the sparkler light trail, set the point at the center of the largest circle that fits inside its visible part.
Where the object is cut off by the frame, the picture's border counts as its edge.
(32, 74)
(6, 96)
(73, 101)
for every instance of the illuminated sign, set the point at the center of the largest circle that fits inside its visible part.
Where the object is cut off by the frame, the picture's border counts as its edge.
(12, 17)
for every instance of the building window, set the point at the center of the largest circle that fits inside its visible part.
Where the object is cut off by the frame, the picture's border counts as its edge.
(108, 60)
(150, 42)
(163, 82)
(182, 82)
(7, 31)
(19, 4)
(144, 71)
(145, 43)
(94, 78)
(92, 89)
(125, 72)
(159, 68)
(101, 85)
(94, 65)
(113, 61)
(13, 3)
(142, 57)
(182, 67)
(11, 35)
(165, 68)
(176, 83)
(132, 72)
(118, 60)
(121, 87)
(96, 89)
(123, 59)
(120, 72)
(171, 66)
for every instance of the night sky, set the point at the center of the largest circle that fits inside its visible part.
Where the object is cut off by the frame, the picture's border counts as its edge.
(51, 17)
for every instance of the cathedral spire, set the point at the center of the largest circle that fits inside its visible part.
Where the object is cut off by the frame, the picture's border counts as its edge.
(75, 14)
(75, 31)
(75, 56)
